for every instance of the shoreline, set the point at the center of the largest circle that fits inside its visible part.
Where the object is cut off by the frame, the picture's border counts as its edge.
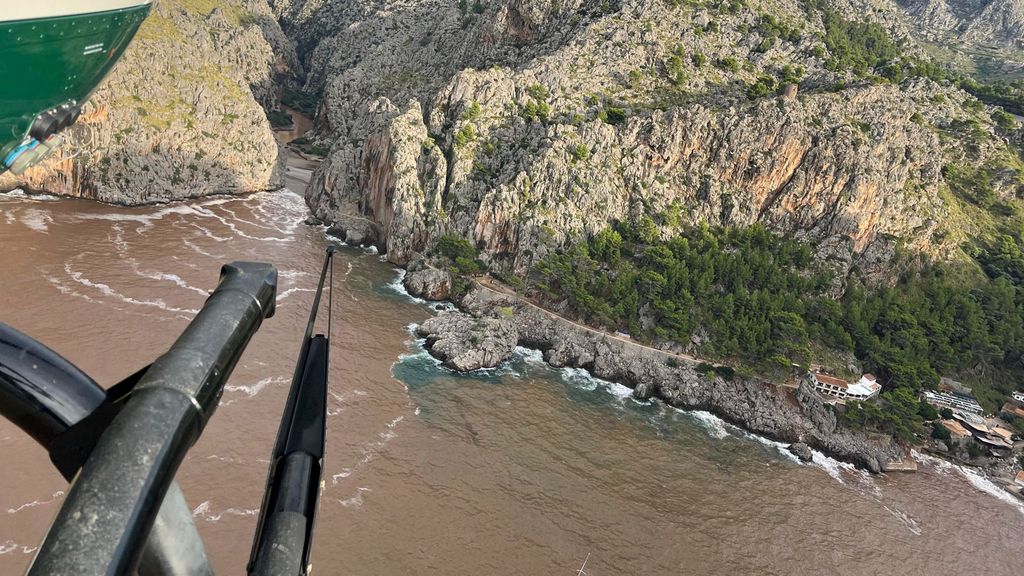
(907, 459)
(488, 325)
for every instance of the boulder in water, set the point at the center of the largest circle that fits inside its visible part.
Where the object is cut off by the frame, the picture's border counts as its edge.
(801, 451)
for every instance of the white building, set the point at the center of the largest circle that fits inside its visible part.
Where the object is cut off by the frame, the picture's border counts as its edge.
(954, 401)
(1018, 396)
(866, 387)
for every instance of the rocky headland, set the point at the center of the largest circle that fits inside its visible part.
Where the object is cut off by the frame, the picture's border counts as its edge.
(182, 114)
(489, 325)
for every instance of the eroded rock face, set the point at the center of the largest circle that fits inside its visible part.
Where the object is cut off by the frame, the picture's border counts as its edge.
(427, 282)
(976, 21)
(486, 333)
(524, 128)
(180, 115)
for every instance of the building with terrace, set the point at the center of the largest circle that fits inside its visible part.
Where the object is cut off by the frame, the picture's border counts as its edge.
(863, 389)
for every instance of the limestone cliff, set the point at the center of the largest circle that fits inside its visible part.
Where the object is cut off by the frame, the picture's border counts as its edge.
(524, 125)
(985, 22)
(180, 116)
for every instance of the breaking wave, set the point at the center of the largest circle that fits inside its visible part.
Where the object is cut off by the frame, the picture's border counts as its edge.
(975, 479)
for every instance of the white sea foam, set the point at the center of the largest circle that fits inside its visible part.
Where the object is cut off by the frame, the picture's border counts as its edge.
(199, 250)
(585, 380)
(165, 277)
(38, 220)
(398, 287)
(356, 500)
(146, 220)
(203, 511)
(56, 496)
(207, 213)
(372, 449)
(106, 290)
(292, 275)
(390, 432)
(209, 234)
(905, 519)
(832, 467)
(713, 425)
(20, 195)
(254, 389)
(12, 547)
(286, 293)
(238, 218)
(226, 459)
(65, 289)
(973, 477)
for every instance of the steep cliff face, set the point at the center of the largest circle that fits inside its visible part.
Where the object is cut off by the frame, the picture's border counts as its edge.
(525, 125)
(986, 22)
(180, 116)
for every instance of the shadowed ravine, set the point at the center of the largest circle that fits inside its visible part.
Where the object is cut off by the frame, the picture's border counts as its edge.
(521, 470)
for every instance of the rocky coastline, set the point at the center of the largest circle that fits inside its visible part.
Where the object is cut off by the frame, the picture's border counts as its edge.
(488, 326)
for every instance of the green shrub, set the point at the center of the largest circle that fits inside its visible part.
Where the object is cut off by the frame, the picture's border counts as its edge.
(728, 63)
(279, 119)
(612, 115)
(1004, 121)
(854, 46)
(472, 112)
(974, 450)
(940, 432)
(305, 102)
(452, 246)
(971, 184)
(537, 91)
(927, 411)
(762, 87)
(581, 152)
(464, 136)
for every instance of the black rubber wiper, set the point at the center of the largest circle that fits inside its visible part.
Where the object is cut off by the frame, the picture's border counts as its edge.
(112, 505)
(284, 533)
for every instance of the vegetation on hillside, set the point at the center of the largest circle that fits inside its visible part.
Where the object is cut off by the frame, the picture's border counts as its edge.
(747, 295)
(855, 46)
(305, 102)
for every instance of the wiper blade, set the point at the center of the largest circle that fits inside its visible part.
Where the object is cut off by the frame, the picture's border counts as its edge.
(284, 533)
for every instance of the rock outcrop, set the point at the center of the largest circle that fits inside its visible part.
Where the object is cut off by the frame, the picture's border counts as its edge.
(801, 451)
(427, 282)
(984, 22)
(486, 333)
(466, 343)
(180, 116)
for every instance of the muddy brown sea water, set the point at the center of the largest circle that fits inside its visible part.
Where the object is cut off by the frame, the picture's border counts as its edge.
(520, 470)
